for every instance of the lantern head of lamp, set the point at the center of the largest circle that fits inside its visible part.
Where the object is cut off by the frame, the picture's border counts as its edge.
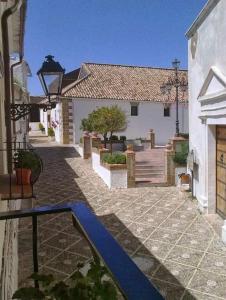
(176, 64)
(50, 76)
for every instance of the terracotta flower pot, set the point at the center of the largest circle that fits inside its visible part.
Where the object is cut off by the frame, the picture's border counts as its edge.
(23, 176)
(185, 179)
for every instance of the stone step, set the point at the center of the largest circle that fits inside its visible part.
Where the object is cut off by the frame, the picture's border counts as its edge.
(149, 171)
(152, 180)
(140, 176)
(149, 168)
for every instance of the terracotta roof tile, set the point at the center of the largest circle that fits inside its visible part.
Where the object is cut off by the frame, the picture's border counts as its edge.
(104, 81)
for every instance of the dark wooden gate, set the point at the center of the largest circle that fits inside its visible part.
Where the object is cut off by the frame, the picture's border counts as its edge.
(221, 170)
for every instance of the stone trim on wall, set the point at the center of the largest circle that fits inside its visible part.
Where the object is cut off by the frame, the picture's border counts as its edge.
(67, 122)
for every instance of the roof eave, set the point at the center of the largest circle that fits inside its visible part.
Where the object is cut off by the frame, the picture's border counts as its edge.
(207, 9)
(19, 29)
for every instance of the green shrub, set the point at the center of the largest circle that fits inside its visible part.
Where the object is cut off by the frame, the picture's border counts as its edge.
(122, 138)
(41, 127)
(51, 132)
(114, 137)
(181, 157)
(114, 158)
(81, 140)
(185, 135)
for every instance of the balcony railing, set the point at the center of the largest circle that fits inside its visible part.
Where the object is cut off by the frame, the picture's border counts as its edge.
(132, 283)
(10, 188)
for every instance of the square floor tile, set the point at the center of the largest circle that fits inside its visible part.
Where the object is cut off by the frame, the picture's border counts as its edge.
(150, 219)
(140, 230)
(210, 283)
(217, 247)
(200, 227)
(66, 262)
(190, 257)
(192, 295)
(47, 253)
(214, 263)
(146, 263)
(81, 247)
(168, 291)
(165, 235)
(175, 224)
(199, 242)
(62, 240)
(174, 273)
(129, 242)
(155, 248)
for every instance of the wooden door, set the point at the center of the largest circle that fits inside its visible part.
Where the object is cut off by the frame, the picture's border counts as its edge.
(221, 170)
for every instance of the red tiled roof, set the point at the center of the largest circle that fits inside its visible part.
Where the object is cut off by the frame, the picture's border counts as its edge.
(119, 82)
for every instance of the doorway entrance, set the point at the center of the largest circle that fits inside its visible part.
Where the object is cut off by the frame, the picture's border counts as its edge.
(221, 170)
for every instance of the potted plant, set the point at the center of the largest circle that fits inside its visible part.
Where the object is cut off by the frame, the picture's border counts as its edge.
(26, 162)
(184, 178)
(41, 128)
(82, 284)
(51, 134)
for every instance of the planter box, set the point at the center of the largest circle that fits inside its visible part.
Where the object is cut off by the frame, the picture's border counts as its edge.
(114, 175)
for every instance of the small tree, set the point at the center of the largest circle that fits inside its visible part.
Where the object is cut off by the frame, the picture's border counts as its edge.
(105, 120)
(115, 121)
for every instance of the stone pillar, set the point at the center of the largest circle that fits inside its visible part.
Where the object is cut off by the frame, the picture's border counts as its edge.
(169, 164)
(130, 161)
(151, 137)
(86, 146)
(95, 141)
(65, 122)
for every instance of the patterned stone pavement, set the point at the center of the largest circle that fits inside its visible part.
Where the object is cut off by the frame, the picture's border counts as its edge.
(159, 227)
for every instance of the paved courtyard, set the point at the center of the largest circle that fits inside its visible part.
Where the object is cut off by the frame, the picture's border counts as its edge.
(159, 227)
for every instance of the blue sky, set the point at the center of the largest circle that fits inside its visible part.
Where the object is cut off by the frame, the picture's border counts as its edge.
(130, 32)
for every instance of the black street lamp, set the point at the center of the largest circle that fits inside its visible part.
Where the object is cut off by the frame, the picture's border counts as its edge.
(178, 83)
(51, 76)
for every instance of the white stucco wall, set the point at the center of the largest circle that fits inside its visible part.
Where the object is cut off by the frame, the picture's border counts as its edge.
(150, 116)
(55, 116)
(112, 178)
(206, 49)
(44, 120)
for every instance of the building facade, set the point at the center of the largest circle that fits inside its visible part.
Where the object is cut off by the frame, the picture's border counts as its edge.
(207, 106)
(136, 90)
(12, 89)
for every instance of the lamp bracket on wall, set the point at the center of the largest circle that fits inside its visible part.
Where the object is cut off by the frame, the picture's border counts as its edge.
(18, 111)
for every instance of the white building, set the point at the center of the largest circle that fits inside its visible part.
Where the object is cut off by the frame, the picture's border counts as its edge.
(207, 105)
(136, 90)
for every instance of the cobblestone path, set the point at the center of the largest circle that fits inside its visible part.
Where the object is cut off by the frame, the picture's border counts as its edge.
(159, 227)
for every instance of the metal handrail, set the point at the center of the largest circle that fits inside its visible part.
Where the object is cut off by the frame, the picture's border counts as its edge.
(127, 276)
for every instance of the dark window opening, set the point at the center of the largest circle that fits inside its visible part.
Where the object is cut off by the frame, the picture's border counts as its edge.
(166, 111)
(134, 110)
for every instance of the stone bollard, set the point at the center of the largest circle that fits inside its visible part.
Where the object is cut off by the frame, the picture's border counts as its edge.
(151, 137)
(86, 146)
(169, 164)
(130, 161)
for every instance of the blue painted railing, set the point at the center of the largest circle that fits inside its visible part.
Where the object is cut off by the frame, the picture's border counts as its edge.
(132, 283)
